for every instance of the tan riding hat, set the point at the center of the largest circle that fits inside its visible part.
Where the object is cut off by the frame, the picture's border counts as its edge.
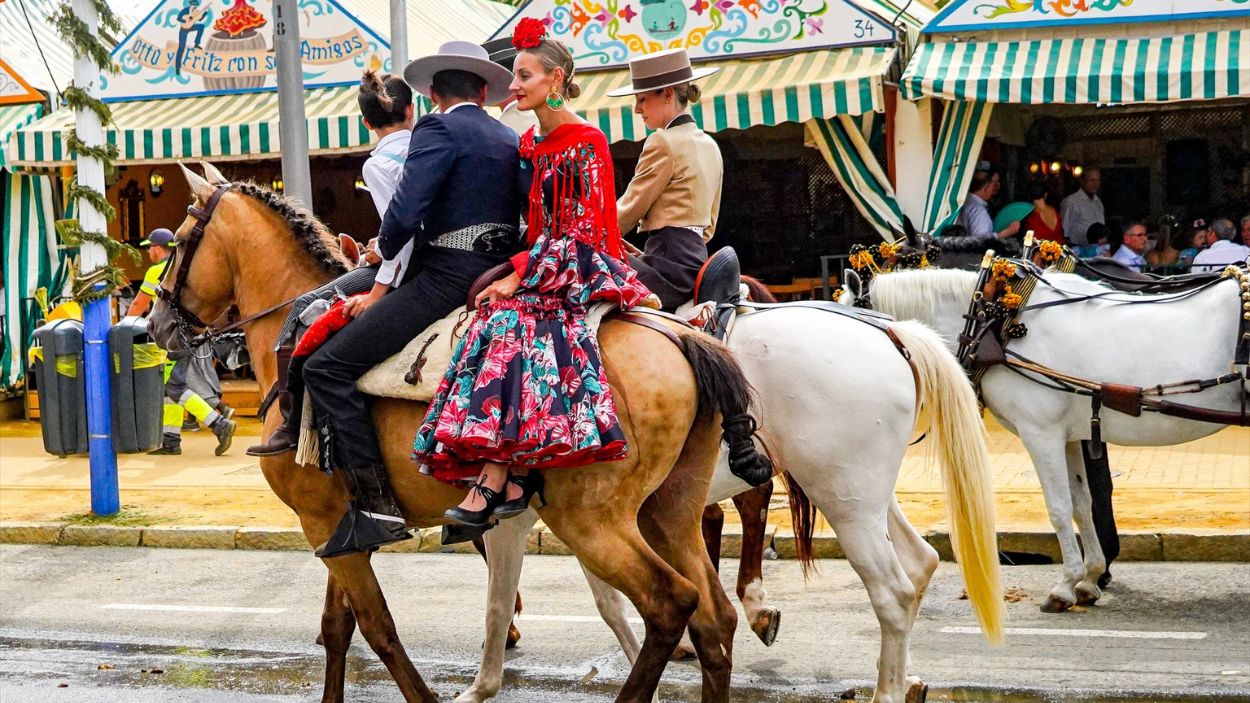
(662, 69)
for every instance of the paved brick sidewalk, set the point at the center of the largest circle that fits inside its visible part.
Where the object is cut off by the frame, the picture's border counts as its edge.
(1203, 485)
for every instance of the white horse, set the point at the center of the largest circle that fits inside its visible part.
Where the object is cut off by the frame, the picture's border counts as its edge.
(1104, 340)
(838, 405)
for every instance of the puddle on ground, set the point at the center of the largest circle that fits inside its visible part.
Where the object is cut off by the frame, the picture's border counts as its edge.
(110, 670)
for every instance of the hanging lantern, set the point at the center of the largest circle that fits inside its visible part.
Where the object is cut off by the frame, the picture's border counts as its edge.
(156, 183)
(1077, 171)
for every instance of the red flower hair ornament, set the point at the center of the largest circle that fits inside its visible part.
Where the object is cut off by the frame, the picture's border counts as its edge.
(528, 34)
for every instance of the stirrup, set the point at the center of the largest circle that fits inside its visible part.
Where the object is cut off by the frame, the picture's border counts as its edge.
(360, 531)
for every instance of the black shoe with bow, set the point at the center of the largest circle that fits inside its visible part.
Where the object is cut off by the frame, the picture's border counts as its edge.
(478, 518)
(531, 484)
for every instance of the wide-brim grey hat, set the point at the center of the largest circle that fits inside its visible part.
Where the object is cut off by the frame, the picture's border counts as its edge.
(663, 69)
(460, 56)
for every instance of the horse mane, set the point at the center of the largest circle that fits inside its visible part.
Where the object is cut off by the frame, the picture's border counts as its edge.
(911, 294)
(310, 232)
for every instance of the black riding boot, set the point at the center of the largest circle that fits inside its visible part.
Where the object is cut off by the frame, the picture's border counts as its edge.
(745, 461)
(373, 517)
(290, 399)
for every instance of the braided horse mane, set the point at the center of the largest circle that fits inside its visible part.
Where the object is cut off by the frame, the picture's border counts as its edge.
(311, 233)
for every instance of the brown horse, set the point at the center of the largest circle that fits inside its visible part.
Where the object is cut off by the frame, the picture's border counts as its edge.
(632, 523)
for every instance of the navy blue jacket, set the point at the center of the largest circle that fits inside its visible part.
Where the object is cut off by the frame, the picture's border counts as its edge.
(462, 169)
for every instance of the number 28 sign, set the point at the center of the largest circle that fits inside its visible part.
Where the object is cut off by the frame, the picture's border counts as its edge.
(606, 33)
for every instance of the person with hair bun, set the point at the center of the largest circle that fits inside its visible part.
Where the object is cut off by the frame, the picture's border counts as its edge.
(386, 109)
(676, 189)
(526, 391)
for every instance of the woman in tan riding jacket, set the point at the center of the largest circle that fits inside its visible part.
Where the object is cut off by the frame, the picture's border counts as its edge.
(676, 189)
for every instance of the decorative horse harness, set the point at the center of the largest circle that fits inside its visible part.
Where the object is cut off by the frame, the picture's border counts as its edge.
(1001, 295)
(187, 322)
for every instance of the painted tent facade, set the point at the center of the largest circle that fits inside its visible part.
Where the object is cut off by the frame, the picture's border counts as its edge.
(978, 54)
(812, 62)
(29, 254)
(219, 101)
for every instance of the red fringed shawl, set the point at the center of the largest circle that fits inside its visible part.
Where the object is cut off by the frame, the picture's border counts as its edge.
(586, 210)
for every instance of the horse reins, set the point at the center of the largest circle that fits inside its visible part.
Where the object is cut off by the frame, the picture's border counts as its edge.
(1130, 400)
(185, 320)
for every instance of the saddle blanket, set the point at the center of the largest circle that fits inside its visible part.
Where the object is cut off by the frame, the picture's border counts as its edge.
(415, 372)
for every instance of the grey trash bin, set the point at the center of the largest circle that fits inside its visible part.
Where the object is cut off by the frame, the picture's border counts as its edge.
(138, 386)
(62, 391)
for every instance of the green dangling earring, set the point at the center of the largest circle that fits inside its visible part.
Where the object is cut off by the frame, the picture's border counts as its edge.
(555, 101)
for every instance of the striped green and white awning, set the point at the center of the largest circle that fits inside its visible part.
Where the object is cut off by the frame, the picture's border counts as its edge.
(222, 127)
(1084, 70)
(759, 92)
(13, 117)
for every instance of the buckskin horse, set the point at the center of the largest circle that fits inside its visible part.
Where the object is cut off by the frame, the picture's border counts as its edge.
(1084, 329)
(634, 523)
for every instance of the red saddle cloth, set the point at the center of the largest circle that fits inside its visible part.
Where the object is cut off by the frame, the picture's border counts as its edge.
(322, 329)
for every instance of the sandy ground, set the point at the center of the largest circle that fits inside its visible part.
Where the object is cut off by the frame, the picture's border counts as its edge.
(1201, 485)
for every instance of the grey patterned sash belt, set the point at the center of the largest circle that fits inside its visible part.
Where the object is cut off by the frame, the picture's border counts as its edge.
(486, 238)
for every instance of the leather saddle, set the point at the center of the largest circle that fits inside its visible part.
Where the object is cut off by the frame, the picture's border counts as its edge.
(490, 276)
(1120, 277)
(720, 282)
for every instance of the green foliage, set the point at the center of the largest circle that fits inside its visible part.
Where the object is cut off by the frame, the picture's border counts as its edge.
(101, 282)
(106, 153)
(78, 99)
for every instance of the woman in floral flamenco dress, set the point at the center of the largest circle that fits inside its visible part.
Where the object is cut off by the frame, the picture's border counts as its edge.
(526, 390)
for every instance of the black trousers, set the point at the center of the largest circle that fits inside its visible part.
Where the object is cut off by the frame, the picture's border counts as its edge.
(1098, 475)
(330, 373)
(670, 263)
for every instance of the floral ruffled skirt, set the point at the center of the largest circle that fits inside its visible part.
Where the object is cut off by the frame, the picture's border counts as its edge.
(526, 385)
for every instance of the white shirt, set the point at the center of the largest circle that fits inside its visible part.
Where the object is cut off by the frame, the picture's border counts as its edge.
(1079, 211)
(381, 173)
(1129, 258)
(1220, 254)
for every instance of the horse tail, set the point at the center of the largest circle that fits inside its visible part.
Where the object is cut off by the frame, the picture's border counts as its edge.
(954, 423)
(757, 291)
(802, 521)
(723, 386)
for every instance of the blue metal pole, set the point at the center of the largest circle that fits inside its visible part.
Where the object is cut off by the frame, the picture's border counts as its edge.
(96, 317)
(96, 360)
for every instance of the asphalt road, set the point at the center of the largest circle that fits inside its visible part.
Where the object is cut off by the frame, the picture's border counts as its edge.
(139, 625)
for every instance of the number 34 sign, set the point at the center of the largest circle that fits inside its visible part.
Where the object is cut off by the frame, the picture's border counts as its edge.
(607, 33)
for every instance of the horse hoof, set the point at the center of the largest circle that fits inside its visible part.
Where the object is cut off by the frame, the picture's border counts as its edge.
(1105, 579)
(683, 653)
(1084, 597)
(918, 692)
(514, 636)
(1056, 605)
(766, 625)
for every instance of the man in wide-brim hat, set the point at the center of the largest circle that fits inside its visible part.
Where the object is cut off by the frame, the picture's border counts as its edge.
(459, 201)
(675, 192)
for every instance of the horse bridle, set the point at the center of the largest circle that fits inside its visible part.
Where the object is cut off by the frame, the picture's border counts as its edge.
(187, 322)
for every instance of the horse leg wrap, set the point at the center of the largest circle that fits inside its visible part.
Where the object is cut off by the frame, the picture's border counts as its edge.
(745, 461)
